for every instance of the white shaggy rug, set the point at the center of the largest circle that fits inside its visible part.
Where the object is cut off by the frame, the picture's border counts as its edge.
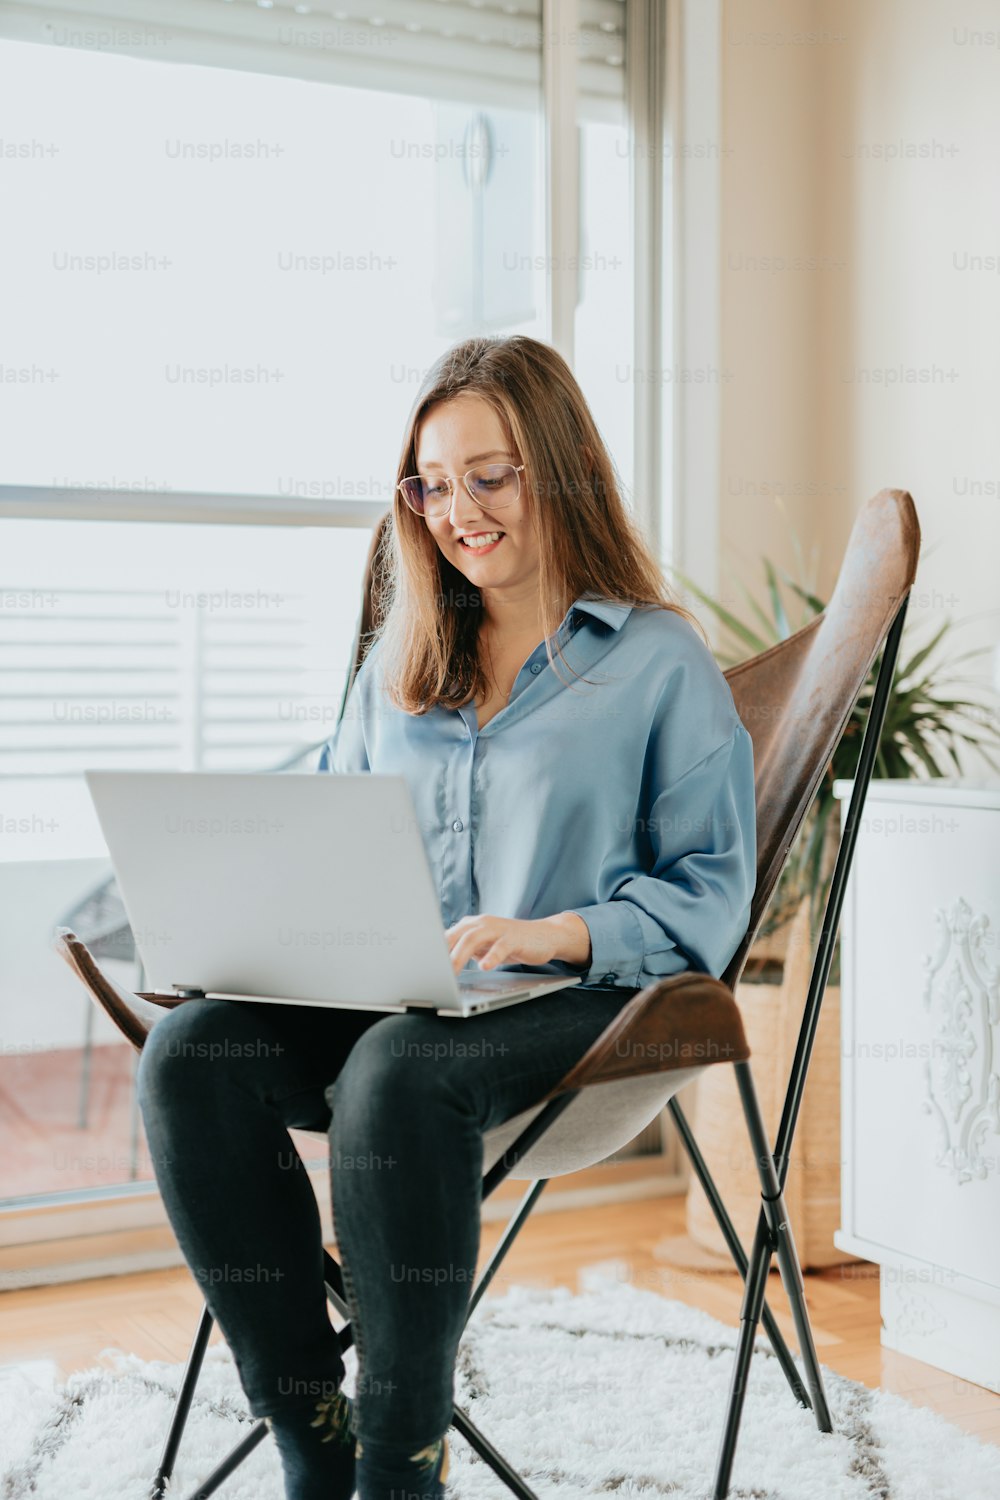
(611, 1392)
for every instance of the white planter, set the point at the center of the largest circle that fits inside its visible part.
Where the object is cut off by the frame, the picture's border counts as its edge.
(921, 1068)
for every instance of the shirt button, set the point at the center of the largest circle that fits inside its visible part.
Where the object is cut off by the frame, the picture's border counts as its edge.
(608, 977)
(536, 667)
(457, 826)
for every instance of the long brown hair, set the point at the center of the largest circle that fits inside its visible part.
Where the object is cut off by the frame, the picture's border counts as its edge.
(429, 612)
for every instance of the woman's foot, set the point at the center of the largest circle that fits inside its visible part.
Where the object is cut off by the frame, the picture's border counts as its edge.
(316, 1444)
(390, 1473)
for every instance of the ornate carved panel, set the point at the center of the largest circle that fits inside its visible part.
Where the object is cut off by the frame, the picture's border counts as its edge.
(962, 996)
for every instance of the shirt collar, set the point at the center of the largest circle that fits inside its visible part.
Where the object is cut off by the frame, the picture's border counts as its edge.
(607, 610)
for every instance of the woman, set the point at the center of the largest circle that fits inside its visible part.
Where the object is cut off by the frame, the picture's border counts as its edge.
(584, 788)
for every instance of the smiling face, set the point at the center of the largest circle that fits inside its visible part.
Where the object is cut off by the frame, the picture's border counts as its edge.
(454, 436)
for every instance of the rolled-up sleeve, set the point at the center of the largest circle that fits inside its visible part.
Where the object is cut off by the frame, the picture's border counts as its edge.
(692, 908)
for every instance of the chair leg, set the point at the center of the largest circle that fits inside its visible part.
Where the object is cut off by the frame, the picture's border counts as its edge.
(773, 1235)
(783, 1242)
(490, 1456)
(231, 1462)
(83, 1107)
(753, 1301)
(791, 1276)
(781, 1350)
(333, 1279)
(133, 1125)
(506, 1240)
(182, 1406)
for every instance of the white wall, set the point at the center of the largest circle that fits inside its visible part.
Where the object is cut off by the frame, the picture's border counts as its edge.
(908, 230)
(770, 205)
(865, 134)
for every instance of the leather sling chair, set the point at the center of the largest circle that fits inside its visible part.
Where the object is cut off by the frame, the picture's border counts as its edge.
(795, 699)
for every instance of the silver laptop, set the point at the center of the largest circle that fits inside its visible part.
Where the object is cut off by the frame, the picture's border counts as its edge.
(291, 889)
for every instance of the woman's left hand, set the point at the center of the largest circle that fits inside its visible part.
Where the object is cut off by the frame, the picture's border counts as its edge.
(505, 940)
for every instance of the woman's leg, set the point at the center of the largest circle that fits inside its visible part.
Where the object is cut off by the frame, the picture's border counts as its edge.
(410, 1106)
(220, 1082)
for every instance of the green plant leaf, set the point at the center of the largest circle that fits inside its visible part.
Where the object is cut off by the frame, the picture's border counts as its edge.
(761, 614)
(814, 602)
(780, 618)
(921, 656)
(922, 752)
(726, 617)
(925, 725)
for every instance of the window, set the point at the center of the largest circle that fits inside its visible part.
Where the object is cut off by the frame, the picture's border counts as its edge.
(604, 315)
(236, 300)
(243, 296)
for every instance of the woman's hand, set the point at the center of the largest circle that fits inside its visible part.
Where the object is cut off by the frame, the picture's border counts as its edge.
(505, 940)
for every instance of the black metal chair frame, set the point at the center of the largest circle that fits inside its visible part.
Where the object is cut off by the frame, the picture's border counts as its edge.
(773, 1235)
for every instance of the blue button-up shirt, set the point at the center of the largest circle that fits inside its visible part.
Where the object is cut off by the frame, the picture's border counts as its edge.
(627, 798)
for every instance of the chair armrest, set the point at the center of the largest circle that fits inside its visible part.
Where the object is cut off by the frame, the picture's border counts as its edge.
(686, 1021)
(133, 1015)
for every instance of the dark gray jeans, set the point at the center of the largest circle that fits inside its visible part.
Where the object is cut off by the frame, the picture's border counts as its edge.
(406, 1099)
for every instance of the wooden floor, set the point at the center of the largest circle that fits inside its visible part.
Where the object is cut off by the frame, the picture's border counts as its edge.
(153, 1314)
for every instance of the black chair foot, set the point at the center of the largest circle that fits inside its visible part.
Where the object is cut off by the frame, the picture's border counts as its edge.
(183, 1405)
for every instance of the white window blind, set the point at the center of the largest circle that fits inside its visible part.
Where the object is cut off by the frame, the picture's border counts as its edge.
(161, 647)
(483, 51)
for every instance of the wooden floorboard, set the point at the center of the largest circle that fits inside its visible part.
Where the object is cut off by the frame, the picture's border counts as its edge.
(153, 1314)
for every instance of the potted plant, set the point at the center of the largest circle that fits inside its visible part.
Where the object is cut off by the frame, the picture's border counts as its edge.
(926, 725)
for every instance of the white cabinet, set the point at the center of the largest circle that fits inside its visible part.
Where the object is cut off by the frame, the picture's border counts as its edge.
(920, 1025)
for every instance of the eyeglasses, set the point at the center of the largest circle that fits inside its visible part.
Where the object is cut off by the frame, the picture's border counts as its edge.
(492, 486)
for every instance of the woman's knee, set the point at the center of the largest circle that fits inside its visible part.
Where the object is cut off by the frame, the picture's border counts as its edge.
(397, 1067)
(186, 1041)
